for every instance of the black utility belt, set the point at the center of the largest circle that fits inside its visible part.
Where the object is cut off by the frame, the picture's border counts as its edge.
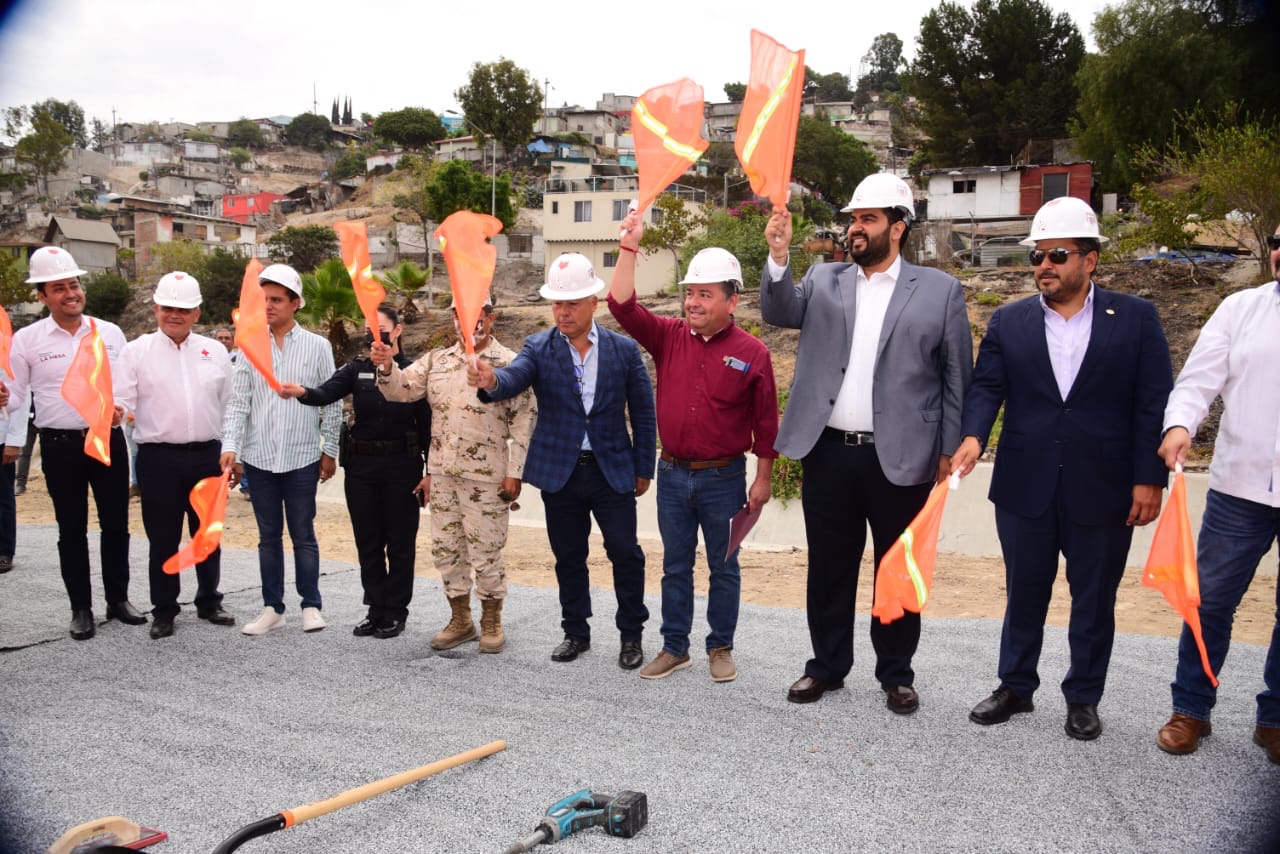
(379, 447)
(53, 434)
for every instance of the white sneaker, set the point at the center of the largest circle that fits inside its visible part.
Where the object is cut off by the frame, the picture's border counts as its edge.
(312, 621)
(265, 622)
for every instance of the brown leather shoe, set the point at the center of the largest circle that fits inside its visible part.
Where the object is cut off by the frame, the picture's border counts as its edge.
(1182, 734)
(902, 699)
(806, 689)
(1268, 737)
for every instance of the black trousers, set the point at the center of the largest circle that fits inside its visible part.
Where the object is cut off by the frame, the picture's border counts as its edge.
(844, 491)
(70, 473)
(384, 519)
(166, 474)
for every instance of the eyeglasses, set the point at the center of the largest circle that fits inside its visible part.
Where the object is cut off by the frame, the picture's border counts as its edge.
(1273, 242)
(578, 371)
(1055, 256)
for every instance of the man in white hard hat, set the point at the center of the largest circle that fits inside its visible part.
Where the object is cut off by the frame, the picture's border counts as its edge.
(285, 449)
(474, 472)
(1083, 375)
(717, 400)
(176, 384)
(41, 355)
(590, 383)
(874, 415)
(1235, 357)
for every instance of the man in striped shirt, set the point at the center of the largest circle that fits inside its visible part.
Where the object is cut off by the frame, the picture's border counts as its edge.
(284, 449)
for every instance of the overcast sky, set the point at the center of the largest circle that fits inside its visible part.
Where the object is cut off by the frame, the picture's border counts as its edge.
(163, 60)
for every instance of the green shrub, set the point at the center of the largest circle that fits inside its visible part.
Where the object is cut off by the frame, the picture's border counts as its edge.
(106, 295)
(990, 298)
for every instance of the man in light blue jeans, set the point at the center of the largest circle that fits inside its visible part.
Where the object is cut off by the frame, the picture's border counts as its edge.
(1235, 357)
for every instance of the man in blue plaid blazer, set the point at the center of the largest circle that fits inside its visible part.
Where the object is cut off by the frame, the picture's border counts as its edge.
(589, 382)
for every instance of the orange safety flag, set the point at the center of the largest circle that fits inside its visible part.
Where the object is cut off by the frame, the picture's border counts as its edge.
(1171, 565)
(252, 335)
(354, 240)
(87, 387)
(666, 124)
(766, 138)
(906, 570)
(6, 341)
(209, 500)
(471, 258)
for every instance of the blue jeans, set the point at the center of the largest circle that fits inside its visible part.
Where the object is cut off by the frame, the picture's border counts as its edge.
(279, 498)
(687, 501)
(1234, 535)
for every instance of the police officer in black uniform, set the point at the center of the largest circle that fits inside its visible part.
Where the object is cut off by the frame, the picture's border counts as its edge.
(383, 454)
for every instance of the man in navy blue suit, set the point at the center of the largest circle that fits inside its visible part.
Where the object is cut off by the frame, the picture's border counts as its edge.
(589, 381)
(1083, 374)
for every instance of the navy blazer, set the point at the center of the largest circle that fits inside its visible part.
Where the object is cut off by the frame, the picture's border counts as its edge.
(622, 389)
(1101, 440)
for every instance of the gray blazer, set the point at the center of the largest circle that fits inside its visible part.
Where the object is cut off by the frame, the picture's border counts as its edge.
(922, 368)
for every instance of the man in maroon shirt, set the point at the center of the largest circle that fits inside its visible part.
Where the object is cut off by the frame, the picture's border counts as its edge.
(716, 400)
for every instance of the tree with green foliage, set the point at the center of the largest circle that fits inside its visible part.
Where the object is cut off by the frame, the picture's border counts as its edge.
(245, 133)
(100, 135)
(106, 295)
(309, 130)
(333, 115)
(735, 92)
(828, 160)
(303, 247)
(678, 222)
(331, 304)
(346, 111)
(185, 255)
(220, 285)
(44, 150)
(739, 231)
(412, 127)
(457, 186)
(69, 114)
(501, 99)
(882, 76)
(991, 78)
(405, 280)
(827, 87)
(13, 281)
(238, 156)
(349, 164)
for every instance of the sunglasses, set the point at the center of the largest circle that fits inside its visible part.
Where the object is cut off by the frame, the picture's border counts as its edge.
(1273, 242)
(1055, 256)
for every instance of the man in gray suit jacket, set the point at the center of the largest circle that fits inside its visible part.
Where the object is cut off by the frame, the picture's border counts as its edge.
(874, 413)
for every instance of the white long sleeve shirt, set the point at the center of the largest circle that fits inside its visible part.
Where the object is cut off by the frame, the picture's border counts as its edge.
(1237, 355)
(40, 356)
(178, 393)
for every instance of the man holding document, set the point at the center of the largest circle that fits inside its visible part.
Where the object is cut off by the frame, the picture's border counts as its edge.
(716, 400)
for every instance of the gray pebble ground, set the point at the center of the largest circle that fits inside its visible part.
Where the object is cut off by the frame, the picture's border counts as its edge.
(209, 730)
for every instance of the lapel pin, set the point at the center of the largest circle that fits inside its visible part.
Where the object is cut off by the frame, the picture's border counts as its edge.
(1111, 311)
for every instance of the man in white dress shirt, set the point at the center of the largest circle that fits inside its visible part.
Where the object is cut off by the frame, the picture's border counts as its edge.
(285, 449)
(176, 384)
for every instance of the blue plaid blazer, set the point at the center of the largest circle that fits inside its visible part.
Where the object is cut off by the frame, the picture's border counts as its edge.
(622, 390)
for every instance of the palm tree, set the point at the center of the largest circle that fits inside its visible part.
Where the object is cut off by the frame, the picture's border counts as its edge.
(331, 304)
(404, 281)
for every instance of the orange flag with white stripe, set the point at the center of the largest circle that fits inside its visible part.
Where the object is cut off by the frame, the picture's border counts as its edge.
(6, 342)
(906, 571)
(766, 136)
(209, 499)
(471, 259)
(1171, 565)
(87, 388)
(353, 237)
(252, 336)
(666, 123)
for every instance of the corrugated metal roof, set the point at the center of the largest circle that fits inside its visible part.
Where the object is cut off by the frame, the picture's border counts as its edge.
(89, 230)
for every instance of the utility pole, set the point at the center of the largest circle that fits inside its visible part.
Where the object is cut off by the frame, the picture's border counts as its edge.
(546, 97)
(315, 105)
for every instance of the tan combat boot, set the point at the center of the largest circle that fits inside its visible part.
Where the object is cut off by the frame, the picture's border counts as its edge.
(492, 638)
(460, 628)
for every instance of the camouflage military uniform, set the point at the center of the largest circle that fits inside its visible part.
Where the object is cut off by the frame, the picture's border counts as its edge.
(468, 460)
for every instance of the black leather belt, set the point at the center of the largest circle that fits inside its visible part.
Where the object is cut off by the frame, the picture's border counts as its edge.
(53, 434)
(378, 447)
(187, 446)
(851, 438)
(586, 458)
(700, 465)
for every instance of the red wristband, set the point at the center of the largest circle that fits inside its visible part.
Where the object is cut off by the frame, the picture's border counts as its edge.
(627, 249)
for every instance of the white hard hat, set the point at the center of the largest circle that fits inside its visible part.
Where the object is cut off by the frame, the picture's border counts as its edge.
(286, 277)
(51, 264)
(178, 290)
(571, 277)
(1064, 217)
(883, 190)
(712, 266)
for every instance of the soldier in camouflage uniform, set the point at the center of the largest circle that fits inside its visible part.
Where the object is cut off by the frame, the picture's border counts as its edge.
(474, 470)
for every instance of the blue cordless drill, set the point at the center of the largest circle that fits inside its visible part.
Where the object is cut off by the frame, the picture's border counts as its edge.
(623, 815)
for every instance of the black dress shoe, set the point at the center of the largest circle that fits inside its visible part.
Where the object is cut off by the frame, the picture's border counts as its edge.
(217, 616)
(569, 649)
(1083, 722)
(902, 699)
(631, 655)
(999, 707)
(125, 613)
(388, 629)
(161, 627)
(806, 689)
(365, 628)
(82, 625)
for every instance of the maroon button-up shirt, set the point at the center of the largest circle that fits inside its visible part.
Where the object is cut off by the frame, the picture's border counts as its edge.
(716, 398)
